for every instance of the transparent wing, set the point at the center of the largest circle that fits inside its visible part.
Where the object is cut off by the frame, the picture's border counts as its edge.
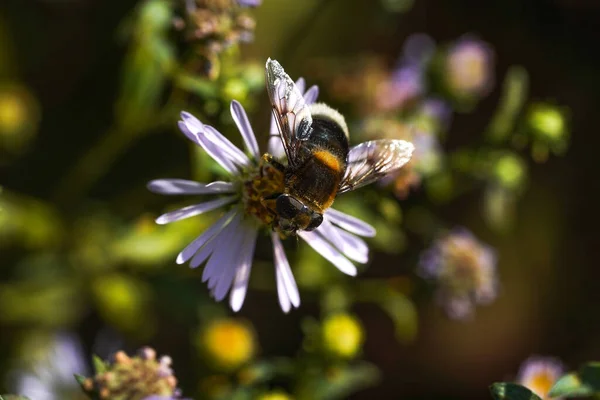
(370, 161)
(291, 112)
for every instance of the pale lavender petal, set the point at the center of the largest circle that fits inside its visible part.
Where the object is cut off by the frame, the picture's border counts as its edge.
(329, 232)
(241, 120)
(273, 129)
(183, 186)
(200, 134)
(355, 242)
(213, 150)
(284, 275)
(224, 237)
(276, 147)
(220, 262)
(235, 154)
(329, 252)
(213, 230)
(193, 126)
(301, 84)
(193, 210)
(34, 388)
(229, 264)
(203, 254)
(249, 3)
(311, 94)
(68, 358)
(350, 223)
(242, 275)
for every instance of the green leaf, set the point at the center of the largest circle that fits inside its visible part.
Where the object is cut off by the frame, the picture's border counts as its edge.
(345, 381)
(99, 365)
(403, 314)
(13, 397)
(511, 391)
(514, 93)
(582, 384)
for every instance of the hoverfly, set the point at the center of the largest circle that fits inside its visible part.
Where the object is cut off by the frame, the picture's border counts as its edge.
(320, 163)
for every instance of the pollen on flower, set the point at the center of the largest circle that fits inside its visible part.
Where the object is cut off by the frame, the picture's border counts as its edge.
(259, 185)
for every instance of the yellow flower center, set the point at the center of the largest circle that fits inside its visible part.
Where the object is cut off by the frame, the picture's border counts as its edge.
(541, 384)
(258, 187)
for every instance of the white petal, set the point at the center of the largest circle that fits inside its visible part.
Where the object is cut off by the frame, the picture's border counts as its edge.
(242, 275)
(282, 294)
(213, 150)
(329, 232)
(182, 186)
(236, 155)
(350, 223)
(311, 94)
(208, 234)
(194, 210)
(241, 120)
(329, 252)
(284, 273)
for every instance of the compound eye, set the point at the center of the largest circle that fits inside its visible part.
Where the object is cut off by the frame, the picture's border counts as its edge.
(315, 221)
(288, 207)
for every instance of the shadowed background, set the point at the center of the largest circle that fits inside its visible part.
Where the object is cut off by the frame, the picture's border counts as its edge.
(69, 55)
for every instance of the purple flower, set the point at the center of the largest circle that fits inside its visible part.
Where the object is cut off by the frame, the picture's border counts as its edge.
(227, 247)
(464, 270)
(539, 374)
(470, 68)
(403, 86)
(249, 3)
(52, 377)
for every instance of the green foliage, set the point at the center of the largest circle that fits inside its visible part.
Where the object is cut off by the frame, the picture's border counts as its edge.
(511, 391)
(583, 383)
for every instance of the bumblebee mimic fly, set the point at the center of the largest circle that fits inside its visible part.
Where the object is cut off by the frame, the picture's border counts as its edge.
(320, 162)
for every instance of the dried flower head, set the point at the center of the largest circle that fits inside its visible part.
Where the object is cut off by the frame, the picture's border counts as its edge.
(141, 377)
(464, 270)
(211, 26)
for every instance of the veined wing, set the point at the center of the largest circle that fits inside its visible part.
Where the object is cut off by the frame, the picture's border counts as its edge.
(370, 161)
(289, 108)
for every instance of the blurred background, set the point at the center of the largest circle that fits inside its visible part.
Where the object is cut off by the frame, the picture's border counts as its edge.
(486, 242)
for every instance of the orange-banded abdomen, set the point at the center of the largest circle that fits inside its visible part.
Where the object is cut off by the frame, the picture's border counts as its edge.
(320, 166)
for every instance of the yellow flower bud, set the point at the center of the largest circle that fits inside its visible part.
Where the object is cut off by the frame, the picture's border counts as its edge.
(342, 335)
(228, 343)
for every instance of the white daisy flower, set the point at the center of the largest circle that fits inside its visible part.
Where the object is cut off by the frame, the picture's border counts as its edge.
(227, 247)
